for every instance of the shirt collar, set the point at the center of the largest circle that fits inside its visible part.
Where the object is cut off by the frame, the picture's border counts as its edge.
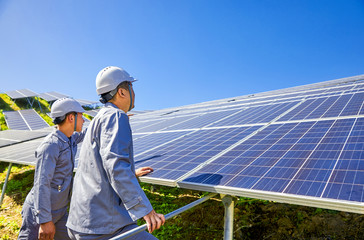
(109, 104)
(61, 135)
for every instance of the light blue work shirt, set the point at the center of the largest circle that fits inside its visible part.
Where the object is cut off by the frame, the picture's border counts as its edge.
(53, 174)
(106, 194)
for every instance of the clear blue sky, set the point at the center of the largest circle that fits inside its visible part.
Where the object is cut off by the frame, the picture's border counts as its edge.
(182, 51)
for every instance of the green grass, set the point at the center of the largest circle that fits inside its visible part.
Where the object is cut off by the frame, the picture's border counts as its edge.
(253, 218)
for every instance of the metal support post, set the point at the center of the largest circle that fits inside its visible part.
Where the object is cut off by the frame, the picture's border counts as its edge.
(5, 183)
(167, 216)
(229, 204)
(40, 108)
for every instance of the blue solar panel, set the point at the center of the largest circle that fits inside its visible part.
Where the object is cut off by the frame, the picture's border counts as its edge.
(147, 142)
(287, 145)
(203, 120)
(336, 109)
(347, 180)
(296, 158)
(175, 159)
(260, 114)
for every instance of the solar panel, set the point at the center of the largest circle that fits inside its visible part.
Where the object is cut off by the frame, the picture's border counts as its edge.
(301, 145)
(173, 159)
(27, 119)
(85, 102)
(22, 93)
(22, 153)
(52, 96)
(10, 137)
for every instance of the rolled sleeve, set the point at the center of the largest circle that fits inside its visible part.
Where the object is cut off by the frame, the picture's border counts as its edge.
(79, 136)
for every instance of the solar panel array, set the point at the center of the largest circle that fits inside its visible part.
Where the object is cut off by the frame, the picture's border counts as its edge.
(52, 96)
(85, 102)
(27, 119)
(303, 145)
(10, 137)
(22, 93)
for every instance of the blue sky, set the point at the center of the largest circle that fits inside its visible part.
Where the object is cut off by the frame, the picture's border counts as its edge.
(182, 51)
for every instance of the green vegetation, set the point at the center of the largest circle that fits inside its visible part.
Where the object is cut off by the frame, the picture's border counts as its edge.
(253, 219)
(7, 104)
(3, 125)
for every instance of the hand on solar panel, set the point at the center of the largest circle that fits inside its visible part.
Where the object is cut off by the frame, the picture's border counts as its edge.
(47, 231)
(143, 171)
(154, 220)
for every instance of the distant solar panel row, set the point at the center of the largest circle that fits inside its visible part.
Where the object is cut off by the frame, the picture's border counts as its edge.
(10, 137)
(22, 93)
(52, 96)
(24, 120)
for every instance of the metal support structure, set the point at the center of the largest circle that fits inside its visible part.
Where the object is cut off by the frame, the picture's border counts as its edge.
(5, 183)
(167, 216)
(40, 108)
(229, 203)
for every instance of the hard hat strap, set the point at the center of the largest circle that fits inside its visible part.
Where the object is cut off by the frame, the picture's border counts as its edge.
(75, 122)
(131, 98)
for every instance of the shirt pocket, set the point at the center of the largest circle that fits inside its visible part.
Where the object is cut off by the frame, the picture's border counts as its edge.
(60, 194)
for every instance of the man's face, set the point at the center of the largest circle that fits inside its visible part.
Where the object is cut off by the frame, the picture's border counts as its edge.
(132, 94)
(80, 121)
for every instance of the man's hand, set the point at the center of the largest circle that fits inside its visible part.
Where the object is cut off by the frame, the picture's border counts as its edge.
(154, 220)
(47, 231)
(142, 171)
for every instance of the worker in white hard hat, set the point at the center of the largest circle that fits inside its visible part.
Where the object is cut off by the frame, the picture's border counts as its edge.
(107, 199)
(44, 211)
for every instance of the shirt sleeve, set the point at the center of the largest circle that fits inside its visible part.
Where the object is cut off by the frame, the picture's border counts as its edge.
(79, 136)
(46, 156)
(115, 151)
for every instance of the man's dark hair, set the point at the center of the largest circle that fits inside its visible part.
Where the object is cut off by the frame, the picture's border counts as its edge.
(60, 120)
(110, 95)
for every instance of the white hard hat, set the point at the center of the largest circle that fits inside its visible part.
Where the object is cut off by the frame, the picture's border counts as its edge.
(65, 105)
(110, 77)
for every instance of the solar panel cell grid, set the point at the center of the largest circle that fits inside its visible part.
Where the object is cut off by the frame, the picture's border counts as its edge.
(162, 124)
(14, 120)
(203, 120)
(147, 142)
(354, 105)
(190, 151)
(47, 97)
(14, 94)
(259, 114)
(347, 180)
(336, 109)
(27, 93)
(33, 119)
(322, 108)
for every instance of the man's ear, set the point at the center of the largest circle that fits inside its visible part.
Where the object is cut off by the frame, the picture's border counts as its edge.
(70, 117)
(121, 92)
